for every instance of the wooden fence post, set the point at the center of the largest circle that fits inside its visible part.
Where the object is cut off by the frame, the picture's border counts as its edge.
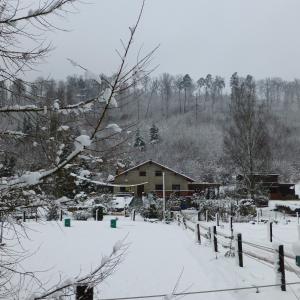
(240, 249)
(133, 215)
(61, 215)
(231, 225)
(271, 231)
(217, 219)
(100, 214)
(209, 233)
(215, 238)
(84, 292)
(24, 216)
(281, 268)
(198, 233)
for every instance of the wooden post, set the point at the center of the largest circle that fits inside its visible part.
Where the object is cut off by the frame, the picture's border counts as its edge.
(133, 216)
(206, 216)
(100, 214)
(199, 216)
(281, 267)
(184, 223)
(61, 215)
(271, 231)
(198, 233)
(240, 249)
(84, 292)
(24, 216)
(217, 219)
(215, 238)
(172, 215)
(231, 225)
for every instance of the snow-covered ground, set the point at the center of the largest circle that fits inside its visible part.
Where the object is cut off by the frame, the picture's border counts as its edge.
(157, 254)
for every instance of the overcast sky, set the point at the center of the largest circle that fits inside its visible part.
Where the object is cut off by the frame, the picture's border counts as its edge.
(258, 37)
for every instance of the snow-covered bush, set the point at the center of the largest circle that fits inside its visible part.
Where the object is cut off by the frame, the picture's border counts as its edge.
(52, 212)
(246, 207)
(81, 215)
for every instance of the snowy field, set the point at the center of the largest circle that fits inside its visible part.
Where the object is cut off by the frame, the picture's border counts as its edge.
(156, 256)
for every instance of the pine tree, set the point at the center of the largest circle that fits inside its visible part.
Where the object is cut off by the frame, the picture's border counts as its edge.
(139, 142)
(154, 136)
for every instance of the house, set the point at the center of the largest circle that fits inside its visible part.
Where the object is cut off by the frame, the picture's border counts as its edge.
(276, 190)
(148, 176)
(151, 173)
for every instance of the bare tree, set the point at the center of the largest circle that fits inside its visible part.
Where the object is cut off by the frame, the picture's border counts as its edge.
(246, 140)
(54, 135)
(165, 88)
(27, 23)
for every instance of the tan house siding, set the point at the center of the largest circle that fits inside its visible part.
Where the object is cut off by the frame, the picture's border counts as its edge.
(133, 176)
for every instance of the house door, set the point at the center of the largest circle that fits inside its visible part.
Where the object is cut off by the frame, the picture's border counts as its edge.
(140, 190)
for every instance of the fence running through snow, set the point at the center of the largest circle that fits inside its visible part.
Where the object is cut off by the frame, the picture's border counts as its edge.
(235, 244)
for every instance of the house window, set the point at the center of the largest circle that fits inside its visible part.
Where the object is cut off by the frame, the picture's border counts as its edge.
(158, 187)
(142, 173)
(175, 187)
(158, 173)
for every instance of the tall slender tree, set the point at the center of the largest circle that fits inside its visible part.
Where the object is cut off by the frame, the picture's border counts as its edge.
(246, 140)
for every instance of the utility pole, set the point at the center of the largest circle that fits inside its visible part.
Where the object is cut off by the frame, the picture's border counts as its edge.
(164, 197)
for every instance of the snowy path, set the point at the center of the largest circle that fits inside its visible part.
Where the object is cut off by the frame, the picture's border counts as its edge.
(155, 258)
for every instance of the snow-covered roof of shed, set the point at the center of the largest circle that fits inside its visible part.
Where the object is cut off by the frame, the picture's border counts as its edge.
(158, 164)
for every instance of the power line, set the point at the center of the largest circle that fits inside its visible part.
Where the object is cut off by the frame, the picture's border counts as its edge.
(203, 292)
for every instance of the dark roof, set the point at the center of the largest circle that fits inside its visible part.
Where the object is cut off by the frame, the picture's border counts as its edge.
(158, 164)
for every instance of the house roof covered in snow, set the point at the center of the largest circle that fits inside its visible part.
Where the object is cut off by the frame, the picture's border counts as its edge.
(159, 165)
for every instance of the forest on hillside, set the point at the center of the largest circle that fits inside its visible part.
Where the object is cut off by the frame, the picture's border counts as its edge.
(174, 119)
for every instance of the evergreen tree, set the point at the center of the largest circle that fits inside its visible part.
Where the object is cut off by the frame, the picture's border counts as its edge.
(139, 142)
(154, 136)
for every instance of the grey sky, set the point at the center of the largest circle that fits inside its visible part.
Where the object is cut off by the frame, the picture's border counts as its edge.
(259, 37)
